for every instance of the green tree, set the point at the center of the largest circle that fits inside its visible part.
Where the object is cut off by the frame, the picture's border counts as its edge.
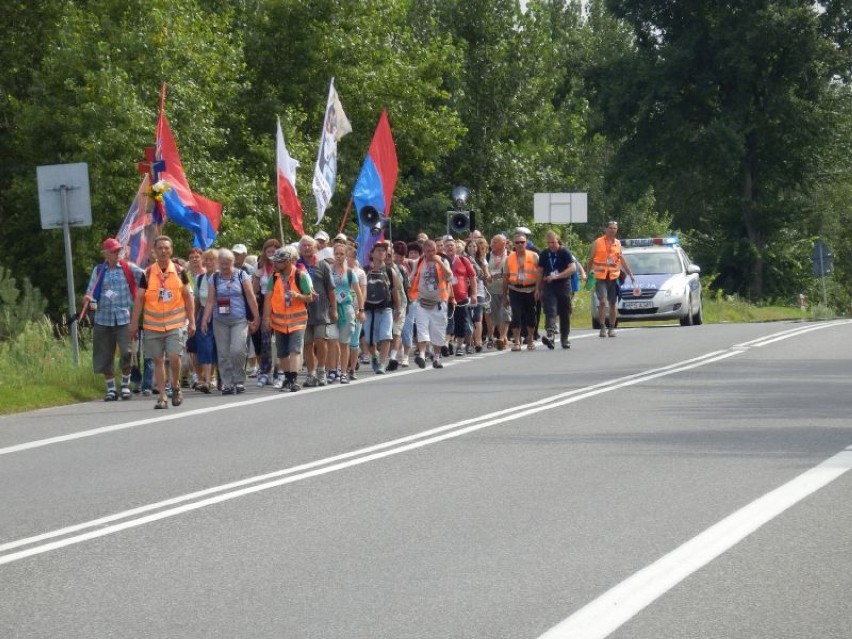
(719, 108)
(93, 96)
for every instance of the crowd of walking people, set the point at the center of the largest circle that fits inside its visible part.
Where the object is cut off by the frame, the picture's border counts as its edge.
(308, 314)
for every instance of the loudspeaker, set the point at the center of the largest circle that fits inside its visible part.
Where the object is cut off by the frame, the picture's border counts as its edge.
(460, 222)
(370, 216)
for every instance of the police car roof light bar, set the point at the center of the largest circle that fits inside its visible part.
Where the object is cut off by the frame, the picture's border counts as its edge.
(651, 241)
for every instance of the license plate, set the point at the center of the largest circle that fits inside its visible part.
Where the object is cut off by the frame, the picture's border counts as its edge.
(639, 305)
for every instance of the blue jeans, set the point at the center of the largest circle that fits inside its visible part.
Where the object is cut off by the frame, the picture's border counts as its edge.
(146, 375)
(408, 326)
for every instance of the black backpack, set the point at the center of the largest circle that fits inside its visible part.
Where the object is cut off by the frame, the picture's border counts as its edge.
(379, 289)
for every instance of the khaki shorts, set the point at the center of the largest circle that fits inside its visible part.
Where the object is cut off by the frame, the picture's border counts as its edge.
(168, 343)
(314, 332)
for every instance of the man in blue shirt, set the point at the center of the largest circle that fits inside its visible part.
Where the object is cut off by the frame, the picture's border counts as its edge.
(110, 293)
(555, 267)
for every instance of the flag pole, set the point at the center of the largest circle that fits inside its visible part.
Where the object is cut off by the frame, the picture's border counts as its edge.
(281, 224)
(345, 216)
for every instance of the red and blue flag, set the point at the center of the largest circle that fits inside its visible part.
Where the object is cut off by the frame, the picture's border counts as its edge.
(374, 188)
(179, 204)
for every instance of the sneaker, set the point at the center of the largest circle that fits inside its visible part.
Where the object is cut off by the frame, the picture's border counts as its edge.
(374, 362)
(278, 384)
(602, 333)
(405, 363)
(125, 392)
(380, 370)
(240, 388)
(294, 387)
(169, 390)
(611, 332)
(343, 379)
(547, 341)
(311, 381)
(445, 351)
(436, 363)
(469, 349)
(227, 390)
(110, 396)
(352, 375)
(321, 379)
(393, 365)
(252, 372)
(146, 392)
(331, 377)
(285, 385)
(420, 361)
(459, 351)
(566, 343)
(478, 349)
(429, 355)
(364, 359)
(262, 380)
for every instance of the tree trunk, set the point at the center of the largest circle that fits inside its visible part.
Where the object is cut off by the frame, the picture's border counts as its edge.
(755, 237)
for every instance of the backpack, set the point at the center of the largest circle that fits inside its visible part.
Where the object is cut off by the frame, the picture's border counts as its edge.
(128, 275)
(405, 276)
(379, 289)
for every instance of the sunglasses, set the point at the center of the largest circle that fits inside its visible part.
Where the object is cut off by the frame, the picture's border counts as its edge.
(517, 243)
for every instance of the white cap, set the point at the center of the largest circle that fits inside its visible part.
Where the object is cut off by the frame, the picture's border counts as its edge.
(322, 235)
(240, 248)
(524, 230)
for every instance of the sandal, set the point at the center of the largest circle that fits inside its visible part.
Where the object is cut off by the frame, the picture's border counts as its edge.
(531, 346)
(204, 388)
(162, 403)
(501, 344)
(177, 398)
(516, 347)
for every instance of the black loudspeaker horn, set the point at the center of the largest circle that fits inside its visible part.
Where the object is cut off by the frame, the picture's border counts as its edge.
(370, 216)
(460, 222)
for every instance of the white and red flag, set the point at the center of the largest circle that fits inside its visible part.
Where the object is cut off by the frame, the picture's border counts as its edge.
(288, 197)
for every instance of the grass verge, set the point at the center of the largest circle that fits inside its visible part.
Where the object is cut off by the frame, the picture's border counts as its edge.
(37, 371)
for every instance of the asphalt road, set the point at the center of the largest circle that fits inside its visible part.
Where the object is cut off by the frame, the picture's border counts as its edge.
(669, 483)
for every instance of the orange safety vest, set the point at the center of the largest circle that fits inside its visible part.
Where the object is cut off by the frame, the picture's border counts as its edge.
(287, 317)
(443, 291)
(606, 264)
(526, 277)
(164, 303)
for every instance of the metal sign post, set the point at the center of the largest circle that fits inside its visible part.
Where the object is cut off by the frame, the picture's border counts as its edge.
(63, 196)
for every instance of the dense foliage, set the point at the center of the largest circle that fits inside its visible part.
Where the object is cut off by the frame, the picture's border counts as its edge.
(728, 123)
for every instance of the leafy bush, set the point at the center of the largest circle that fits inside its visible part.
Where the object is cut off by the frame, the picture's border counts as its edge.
(17, 308)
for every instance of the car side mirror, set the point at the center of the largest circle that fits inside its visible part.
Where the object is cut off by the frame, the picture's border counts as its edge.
(693, 268)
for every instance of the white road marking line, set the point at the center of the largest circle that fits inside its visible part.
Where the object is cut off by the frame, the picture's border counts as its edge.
(607, 613)
(513, 412)
(333, 464)
(171, 416)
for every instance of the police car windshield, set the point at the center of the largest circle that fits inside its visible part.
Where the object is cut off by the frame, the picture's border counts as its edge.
(654, 263)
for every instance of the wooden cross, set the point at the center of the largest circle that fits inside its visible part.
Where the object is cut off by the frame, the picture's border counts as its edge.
(152, 166)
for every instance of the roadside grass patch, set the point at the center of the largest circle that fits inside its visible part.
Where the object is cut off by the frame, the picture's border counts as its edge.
(37, 371)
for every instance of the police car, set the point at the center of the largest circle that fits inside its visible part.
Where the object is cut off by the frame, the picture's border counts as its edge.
(669, 283)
